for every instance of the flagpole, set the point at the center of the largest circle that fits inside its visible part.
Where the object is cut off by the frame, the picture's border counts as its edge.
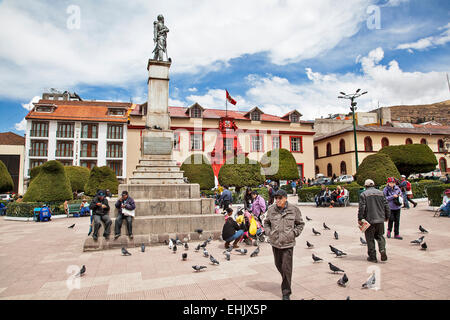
(226, 104)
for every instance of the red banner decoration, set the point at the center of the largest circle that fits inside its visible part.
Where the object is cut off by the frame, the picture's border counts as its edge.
(230, 99)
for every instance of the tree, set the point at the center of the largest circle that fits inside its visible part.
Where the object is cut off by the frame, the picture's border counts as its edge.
(51, 184)
(279, 164)
(411, 158)
(101, 178)
(377, 167)
(6, 182)
(78, 177)
(198, 170)
(238, 172)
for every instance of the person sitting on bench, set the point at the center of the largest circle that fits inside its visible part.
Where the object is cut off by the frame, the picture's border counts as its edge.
(125, 204)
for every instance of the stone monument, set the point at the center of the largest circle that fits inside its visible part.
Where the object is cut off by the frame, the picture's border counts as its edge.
(166, 206)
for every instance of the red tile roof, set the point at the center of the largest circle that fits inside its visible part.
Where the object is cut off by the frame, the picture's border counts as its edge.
(11, 139)
(80, 111)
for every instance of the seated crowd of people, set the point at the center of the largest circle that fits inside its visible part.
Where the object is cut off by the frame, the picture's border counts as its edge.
(325, 197)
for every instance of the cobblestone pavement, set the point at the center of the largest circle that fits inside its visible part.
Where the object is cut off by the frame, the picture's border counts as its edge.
(36, 261)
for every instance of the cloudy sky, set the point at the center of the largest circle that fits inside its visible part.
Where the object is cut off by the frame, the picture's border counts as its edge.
(278, 55)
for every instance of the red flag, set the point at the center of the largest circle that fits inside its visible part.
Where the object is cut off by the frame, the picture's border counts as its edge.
(230, 99)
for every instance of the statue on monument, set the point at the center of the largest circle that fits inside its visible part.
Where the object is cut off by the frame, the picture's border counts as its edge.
(159, 37)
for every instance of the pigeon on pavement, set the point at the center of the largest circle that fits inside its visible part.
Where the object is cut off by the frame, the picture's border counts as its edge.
(170, 244)
(333, 249)
(343, 281)
(142, 247)
(71, 227)
(422, 229)
(228, 250)
(334, 268)
(198, 268)
(325, 226)
(418, 241)
(370, 283)
(424, 246)
(125, 252)
(197, 248)
(213, 260)
(340, 253)
(209, 239)
(315, 258)
(184, 256)
(205, 253)
(307, 218)
(227, 255)
(241, 251)
(174, 249)
(336, 236)
(199, 231)
(315, 232)
(363, 242)
(255, 253)
(82, 271)
(203, 245)
(310, 245)
(186, 246)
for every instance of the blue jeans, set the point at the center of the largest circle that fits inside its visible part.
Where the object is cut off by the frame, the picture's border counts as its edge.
(405, 200)
(236, 235)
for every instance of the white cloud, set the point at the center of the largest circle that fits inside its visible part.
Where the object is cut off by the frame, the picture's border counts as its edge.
(192, 90)
(115, 38)
(215, 99)
(427, 42)
(29, 106)
(21, 126)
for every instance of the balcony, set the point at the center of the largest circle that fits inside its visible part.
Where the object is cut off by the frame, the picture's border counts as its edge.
(114, 154)
(64, 154)
(86, 154)
(38, 153)
(39, 133)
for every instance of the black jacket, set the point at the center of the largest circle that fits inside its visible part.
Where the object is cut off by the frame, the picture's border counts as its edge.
(373, 206)
(99, 210)
(229, 228)
(129, 204)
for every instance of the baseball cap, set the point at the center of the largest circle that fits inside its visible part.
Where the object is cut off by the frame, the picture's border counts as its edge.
(369, 183)
(101, 193)
(280, 193)
(390, 179)
(447, 191)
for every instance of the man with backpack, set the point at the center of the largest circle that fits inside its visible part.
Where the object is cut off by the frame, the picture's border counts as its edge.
(405, 186)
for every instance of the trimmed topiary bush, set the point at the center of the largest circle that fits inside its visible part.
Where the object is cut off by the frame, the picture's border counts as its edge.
(240, 173)
(435, 194)
(377, 167)
(6, 182)
(78, 177)
(411, 158)
(282, 166)
(51, 184)
(198, 170)
(34, 172)
(101, 178)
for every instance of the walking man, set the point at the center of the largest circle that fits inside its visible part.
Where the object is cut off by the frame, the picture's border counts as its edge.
(283, 224)
(100, 212)
(226, 198)
(125, 202)
(374, 208)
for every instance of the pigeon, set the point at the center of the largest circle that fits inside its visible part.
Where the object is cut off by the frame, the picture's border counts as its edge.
(157, 127)
(125, 252)
(82, 271)
(213, 260)
(205, 253)
(209, 239)
(307, 218)
(325, 226)
(198, 268)
(166, 242)
(424, 246)
(315, 232)
(310, 245)
(334, 268)
(174, 249)
(336, 236)
(333, 249)
(340, 253)
(170, 244)
(343, 281)
(228, 250)
(241, 251)
(179, 243)
(255, 253)
(184, 256)
(142, 247)
(197, 248)
(203, 245)
(422, 229)
(315, 258)
(363, 242)
(227, 255)
(370, 283)
(186, 246)
(418, 241)
(71, 227)
(199, 231)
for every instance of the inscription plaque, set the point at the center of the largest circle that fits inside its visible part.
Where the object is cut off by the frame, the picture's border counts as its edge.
(157, 145)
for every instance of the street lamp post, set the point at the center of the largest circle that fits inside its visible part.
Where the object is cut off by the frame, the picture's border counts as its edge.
(352, 98)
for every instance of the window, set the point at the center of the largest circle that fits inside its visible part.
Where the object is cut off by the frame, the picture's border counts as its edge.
(276, 142)
(116, 166)
(256, 143)
(296, 144)
(423, 141)
(368, 144)
(115, 131)
(36, 163)
(441, 147)
(39, 129)
(228, 144)
(44, 109)
(66, 163)
(88, 164)
(317, 170)
(255, 116)
(328, 149)
(176, 141)
(38, 149)
(294, 117)
(329, 170)
(114, 150)
(408, 141)
(64, 149)
(196, 112)
(65, 130)
(89, 131)
(316, 152)
(384, 142)
(300, 170)
(342, 146)
(116, 112)
(88, 150)
(343, 168)
(443, 164)
(197, 142)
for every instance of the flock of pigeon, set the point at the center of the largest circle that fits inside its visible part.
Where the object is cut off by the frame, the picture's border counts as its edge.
(370, 283)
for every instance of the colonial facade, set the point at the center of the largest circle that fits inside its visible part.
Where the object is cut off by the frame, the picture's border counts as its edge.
(12, 152)
(335, 152)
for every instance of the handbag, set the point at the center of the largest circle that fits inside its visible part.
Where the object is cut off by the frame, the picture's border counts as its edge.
(399, 201)
(129, 213)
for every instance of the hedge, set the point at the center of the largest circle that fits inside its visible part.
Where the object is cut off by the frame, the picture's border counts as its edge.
(26, 209)
(308, 194)
(436, 193)
(241, 174)
(101, 178)
(50, 185)
(78, 177)
(377, 167)
(6, 182)
(285, 169)
(198, 170)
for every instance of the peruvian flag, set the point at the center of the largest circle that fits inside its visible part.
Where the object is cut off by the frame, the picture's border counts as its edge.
(230, 99)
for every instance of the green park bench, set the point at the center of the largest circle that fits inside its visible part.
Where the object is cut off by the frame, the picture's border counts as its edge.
(73, 209)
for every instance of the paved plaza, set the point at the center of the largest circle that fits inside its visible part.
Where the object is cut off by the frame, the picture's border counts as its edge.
(35, 259)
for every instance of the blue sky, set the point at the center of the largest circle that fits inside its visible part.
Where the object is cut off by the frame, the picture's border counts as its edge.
(277, 55)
